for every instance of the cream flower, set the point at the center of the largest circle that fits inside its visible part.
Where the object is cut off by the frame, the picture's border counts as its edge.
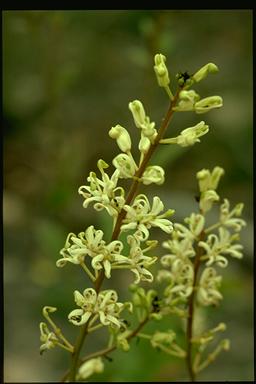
(138, 262)
(161, 70)
(188, 136)
(104, 305)
(216, 247)
(122, 137)
(126, 165)
(141, 120)
(90, 367)
(48, 338)
(209, 180)
(142, 217)
(204, 71)
(153, 174)
(208, 103)
(103, 193)
(187, 100)
(207, 291)
(227, 218)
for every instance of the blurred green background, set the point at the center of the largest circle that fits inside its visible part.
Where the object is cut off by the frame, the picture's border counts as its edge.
(68, 77)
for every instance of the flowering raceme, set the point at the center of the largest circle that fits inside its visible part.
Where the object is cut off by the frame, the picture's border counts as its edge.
(187, 276)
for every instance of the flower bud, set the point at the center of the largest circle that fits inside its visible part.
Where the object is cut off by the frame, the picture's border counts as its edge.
(215, 177)
(138, 112)
(188, 136)
(125, 164)
(209, 180)
(153, 174)
(203, 72)
(122, 137)
(161, 70)
(144, 144)
(90, 367)
(187, 100)
(208, 103)
(207, 199)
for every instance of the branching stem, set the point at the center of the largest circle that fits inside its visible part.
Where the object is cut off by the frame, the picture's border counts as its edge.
(120, 218)
(191, 308)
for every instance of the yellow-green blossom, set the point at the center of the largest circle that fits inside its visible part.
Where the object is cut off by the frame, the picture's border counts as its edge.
(216, 247)
(47, 337)
(90, 367)
(161, 70)
(104, 193)
(104, 305)
(141, 216)
(188, 136)
(209, 180)
(187, 100)
(227, 218)
(153, 174)
(208, 103)
(125, 165)
(141, 120)
(122, 137)
(208, 287)
(204, 71)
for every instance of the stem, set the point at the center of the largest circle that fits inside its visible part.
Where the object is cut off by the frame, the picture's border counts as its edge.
(106, 351)
(121, 216)
(143, 165)
(191, 310)
(77, 349)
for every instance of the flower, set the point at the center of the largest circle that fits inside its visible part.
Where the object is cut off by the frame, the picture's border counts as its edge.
(208, 103)
(125, 165)
(142, 217)
(209, 180)
(227, 218)
(143, 299)
(89, 368)
(160, 339)
(77, 247)
(141, 120)
(138, 262)
(216, 247)
(188, 136)
(122, 137)
(180, 280)
(161, 70)
(49, 339)
(207, 199)
(207, 291)
(109, 257)
(144, 144)
(153, 174)
(187, 100)
(90, 243)
(180, 248)
(196, 224)
(104, 305)
(104, 193)
(203, 72)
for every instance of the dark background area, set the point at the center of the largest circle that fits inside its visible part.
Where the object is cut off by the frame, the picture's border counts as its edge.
(68, 77)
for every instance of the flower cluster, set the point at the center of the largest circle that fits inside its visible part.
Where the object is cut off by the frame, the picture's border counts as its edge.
(108, 256)
(103, 306)
(194, 238)
(141, 217)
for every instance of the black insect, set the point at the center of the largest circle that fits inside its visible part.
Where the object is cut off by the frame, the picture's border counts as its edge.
(197, 199)
(155, 304)
(108, 358)
(183, 77)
